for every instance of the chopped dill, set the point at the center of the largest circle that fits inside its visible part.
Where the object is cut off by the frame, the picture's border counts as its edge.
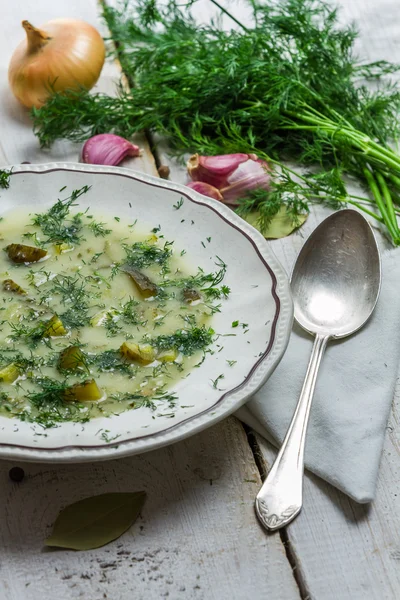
(179, 204)
(186, 341)
(5, 176)
(99, 229)
(111, 360)
(56, 226)
(206, 282)
(217, 380)
(31, 336)
(151, 402)
(111, 324)
(142, 254)
(51, 407)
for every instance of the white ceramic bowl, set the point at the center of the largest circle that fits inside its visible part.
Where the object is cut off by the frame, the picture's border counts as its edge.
(260, 297)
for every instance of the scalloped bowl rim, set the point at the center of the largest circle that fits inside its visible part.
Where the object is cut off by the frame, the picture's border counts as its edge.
(230, 400)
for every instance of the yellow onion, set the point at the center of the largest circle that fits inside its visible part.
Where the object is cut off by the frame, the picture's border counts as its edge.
(64, 54)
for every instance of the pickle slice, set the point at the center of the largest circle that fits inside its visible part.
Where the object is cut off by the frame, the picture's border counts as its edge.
(54, 328)
(143, 353)
(145, 286)
(9, 373)
(19, 253)
(71, 358)
(10, 286)
(87, 391)
(167, 355)
(190, 295)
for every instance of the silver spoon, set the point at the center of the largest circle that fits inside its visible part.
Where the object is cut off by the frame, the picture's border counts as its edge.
(335, 285)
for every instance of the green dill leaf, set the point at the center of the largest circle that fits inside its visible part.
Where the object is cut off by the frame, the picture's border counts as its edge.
(179, 204)
(5, 176)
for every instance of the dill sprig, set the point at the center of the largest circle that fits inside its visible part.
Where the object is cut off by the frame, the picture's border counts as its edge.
(99, 229)
(55, 224)
(288, 87)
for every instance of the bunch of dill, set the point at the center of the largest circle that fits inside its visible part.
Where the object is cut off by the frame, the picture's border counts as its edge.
(288, 88)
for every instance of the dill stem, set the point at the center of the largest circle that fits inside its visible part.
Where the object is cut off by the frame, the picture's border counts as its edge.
(394, 179)
(387, 160)
(366, 210)
(228, 14)
(389, 202)
(380, 203)
(385, 151)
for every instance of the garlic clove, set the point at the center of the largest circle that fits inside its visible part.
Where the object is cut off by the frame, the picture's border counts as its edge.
(248, 176)
(107, 149)
(206, 189)
(214, 169)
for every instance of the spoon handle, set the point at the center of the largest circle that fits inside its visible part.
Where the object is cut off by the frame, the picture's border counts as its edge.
(280, 499)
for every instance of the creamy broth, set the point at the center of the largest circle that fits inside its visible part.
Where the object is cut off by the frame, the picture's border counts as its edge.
(108, 320)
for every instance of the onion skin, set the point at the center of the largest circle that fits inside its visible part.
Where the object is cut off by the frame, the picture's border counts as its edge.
(64, 54)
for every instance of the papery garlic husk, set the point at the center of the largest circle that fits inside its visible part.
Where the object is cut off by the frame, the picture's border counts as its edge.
(108, 149)
(206, 189)
(63, 54)
(234, 175)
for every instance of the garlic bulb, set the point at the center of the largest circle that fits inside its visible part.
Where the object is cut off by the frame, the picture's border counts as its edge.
(228, 177)
(65, 54)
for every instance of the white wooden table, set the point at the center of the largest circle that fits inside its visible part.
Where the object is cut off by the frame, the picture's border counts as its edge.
(198, 536)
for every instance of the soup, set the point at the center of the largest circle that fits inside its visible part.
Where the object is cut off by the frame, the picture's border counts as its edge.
(97, 316)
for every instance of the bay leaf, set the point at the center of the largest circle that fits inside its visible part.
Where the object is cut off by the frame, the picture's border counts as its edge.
(96, 521)
(281, 225)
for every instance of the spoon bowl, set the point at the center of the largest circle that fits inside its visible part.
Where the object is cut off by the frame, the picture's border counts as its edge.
(336, 279)
(335, 285)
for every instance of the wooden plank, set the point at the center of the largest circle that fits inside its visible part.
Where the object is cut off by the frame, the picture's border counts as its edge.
(198, 536)
(343, 549)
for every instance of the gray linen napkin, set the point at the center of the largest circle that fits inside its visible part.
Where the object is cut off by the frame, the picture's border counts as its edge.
(353, 395)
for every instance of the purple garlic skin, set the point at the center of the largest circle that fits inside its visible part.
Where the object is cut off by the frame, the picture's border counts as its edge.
(206, 189)
(228, 177)
(107, 149)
